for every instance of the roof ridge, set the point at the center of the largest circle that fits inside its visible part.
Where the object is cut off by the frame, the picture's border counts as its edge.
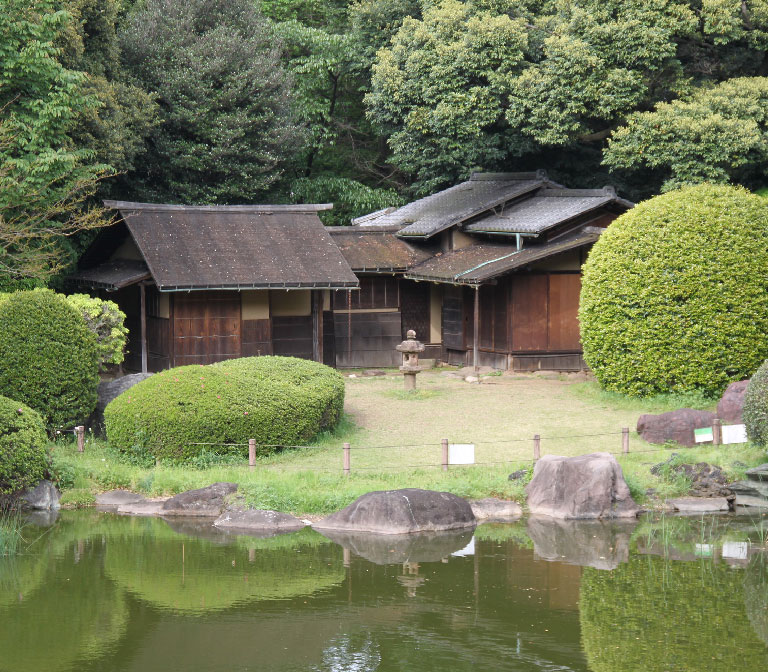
(564, 193)
(167, 207)
(539, 174)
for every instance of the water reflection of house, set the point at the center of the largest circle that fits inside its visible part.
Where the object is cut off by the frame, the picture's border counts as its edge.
(487, 272)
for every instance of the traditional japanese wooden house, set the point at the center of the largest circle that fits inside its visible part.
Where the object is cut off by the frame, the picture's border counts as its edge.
(487, 272)
(204, 283)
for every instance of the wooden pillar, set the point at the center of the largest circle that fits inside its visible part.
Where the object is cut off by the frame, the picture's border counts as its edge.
(317, 325)
(143, 293)
(476, 329)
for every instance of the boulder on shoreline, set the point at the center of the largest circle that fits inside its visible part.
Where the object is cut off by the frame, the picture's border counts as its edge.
(402, 512)
(209, 501)
(583, 487)
(258, 520)
(43, 497)
(491, 509)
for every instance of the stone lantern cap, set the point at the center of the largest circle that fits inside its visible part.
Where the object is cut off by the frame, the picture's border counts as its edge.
(410, 348)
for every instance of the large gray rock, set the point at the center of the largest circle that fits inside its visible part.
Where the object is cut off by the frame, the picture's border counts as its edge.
(402, 512)
(731, 404)
(750, 493)
(209, 501)
(109, 390)
(495, 510)
(699, 504)
(588, 543)
(759, 473)
(675, 426)
(43, 497)
(114, 498)
(588, 486)
(399, 548)
(257, 520)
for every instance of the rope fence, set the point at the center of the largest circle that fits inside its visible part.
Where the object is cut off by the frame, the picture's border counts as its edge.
(445, 463)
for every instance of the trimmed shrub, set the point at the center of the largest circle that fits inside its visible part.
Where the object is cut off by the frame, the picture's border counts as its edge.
(279, 401)
(107, 322)
(48, 357)
(23, 447)
(675, 293)
(755, 411)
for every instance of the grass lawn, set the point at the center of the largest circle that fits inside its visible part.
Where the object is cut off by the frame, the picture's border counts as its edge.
(395, 439)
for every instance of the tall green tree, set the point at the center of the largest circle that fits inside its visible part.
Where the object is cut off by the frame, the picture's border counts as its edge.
(227, 128)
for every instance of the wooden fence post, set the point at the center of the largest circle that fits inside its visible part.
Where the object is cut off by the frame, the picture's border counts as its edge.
(80, 432)
(444, 444)
(252, 453)
(625, 440)
(346, 459)
(717, 432)
(536, 447)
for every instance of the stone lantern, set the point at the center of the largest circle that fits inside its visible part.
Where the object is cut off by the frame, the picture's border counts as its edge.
(410, 348)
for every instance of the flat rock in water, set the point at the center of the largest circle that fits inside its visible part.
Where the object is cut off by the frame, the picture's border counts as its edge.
(43, 497)
(258, 520)
(675, 426)
(759, 473)
(402, 512)
(750, 493)
(209, 501)
(587, 486)
(491, 509)
(731, 404)
(146, 507)
(117, 497)
(603, 544)
(699, 504)
(399, 548)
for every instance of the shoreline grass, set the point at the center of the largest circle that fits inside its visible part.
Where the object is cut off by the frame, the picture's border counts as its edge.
(10, 532)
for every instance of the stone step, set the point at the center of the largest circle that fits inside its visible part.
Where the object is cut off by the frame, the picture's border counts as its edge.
(759, 473)
(750, 493)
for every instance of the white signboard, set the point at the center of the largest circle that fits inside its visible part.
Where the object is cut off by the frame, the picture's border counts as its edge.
(461, 453)
(734, 434)
(736, 550)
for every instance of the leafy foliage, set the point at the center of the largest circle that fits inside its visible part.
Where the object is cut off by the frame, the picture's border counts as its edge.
(226, 125)
(279, 401)
(48, 357)
(755, 412)
(675, 293)
(23, 447)
(105, 319)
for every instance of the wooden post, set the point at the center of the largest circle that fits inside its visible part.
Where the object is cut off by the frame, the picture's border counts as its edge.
(346, 459)
(80, 432)
(625, 440)
(476, 329)
(444, 443)
(717, 432)
(143, 294)
(317, 325)
(252, 453)
(536, 447)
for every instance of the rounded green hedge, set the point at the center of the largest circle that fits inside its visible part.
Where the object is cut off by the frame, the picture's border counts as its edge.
(279, 401)
(755, 411)
(48, 357)
(23, 447)
(675, 293)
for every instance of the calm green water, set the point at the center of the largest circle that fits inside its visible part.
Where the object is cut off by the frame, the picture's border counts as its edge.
(100, 592)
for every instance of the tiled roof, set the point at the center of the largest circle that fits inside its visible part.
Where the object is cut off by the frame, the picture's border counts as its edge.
(432, 214)
(376, 250)
(482, 262)
(235, 247)
(540, 212)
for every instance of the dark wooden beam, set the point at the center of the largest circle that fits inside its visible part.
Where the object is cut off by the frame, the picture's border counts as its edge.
(317, 325)
(143, 294)
(476, 331)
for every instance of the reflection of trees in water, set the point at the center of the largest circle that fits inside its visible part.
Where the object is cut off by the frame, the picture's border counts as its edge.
(756, 595)
(654, 614)
(351, 654)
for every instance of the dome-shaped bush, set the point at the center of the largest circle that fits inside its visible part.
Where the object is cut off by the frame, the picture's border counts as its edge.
(755, 411)
(23, 447)
(48, 357)
(279, 401)
(675, 293)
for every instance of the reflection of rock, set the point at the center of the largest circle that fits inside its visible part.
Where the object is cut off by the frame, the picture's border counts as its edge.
(495, 510)
(43, 497)
(589, 543)
(197, 527)
(256, 520)
(402, 512)
(588, 486)
(41, 518)
(675, 426)
(399, 548)
(208, 501)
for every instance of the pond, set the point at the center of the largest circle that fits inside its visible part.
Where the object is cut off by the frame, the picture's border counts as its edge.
(94, 591)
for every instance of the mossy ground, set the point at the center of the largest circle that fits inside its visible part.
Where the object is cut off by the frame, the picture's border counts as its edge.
(395, 440)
